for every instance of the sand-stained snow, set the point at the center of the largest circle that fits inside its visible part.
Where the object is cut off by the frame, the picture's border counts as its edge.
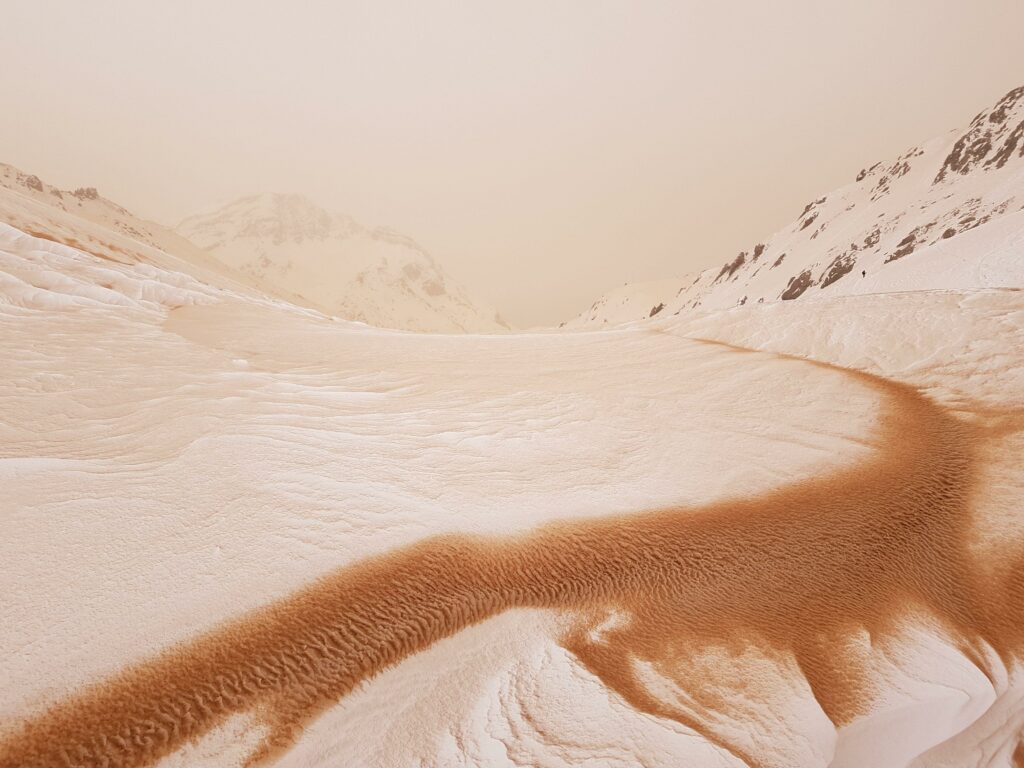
(176, 456)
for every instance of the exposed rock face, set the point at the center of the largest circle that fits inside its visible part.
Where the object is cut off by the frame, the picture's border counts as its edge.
(809, 220)
(797, 285)
(730, 268)
(900, 168)
(1005, 152)
(990, 141)
(905, 248)
(840, 266)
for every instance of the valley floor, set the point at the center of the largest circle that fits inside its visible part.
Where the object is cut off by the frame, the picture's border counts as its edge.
(787, 534)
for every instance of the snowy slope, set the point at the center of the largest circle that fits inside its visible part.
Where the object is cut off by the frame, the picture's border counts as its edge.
(633, 301)
(84, 219)
(234, 527)
(376, 276)
(281, 246)
(945, 214)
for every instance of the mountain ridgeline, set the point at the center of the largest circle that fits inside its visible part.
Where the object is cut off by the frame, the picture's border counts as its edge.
(283, 246)
(336, 264)
(949, 213)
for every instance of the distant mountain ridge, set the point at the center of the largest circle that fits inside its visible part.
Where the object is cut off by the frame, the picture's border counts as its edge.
(280, 245)
(949, 213)
(85, 219)
(376, 276)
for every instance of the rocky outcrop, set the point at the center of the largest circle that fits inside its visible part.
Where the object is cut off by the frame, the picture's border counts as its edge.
(991, 140)
(797, 285)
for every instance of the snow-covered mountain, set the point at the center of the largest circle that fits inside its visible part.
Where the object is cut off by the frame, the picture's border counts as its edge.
(949, 213)
(376, 276)
(279, 245)
(237, 532)
(85, 219)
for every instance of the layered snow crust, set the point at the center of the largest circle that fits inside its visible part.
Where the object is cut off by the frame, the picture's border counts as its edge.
(175, 454)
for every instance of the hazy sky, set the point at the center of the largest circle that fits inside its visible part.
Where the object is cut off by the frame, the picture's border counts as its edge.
(544, 152)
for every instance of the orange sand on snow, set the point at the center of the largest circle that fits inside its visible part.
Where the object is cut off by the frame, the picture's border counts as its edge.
(794, 572)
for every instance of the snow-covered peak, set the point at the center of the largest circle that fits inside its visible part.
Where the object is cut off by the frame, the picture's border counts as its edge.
(331, 261)
(282, 245)
(274, 216)
(946, 214)
(995, 136)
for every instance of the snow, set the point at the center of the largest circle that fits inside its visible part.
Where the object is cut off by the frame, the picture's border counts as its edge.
(904, 224)
(633, 301)
(280, 246)
(176, 454)
(337, 265)
(525, 539)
